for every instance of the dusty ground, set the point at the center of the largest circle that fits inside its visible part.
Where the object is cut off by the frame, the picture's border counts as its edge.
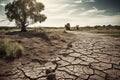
(86, 57)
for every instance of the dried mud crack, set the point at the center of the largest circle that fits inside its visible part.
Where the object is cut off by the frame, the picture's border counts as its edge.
(88, 57)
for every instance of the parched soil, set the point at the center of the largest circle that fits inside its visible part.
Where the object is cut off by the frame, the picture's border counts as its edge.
(82, 56)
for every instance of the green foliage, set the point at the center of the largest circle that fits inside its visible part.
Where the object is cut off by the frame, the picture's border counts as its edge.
(10, 50)
(67, 26)
(24, 12)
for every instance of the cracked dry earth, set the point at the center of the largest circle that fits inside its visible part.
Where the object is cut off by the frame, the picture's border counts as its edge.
(88, 57)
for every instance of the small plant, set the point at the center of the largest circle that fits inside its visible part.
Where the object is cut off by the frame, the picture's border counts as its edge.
(10, 50)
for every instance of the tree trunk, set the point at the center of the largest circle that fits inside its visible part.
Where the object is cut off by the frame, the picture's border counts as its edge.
(23, 22)
(23, 28)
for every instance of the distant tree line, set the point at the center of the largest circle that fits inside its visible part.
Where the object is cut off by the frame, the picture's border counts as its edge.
(107, 27)
(99, 27)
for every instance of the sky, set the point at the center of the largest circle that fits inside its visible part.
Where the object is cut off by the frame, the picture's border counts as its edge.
(75, 12)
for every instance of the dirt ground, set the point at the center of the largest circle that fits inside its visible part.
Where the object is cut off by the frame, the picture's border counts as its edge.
(73, 56)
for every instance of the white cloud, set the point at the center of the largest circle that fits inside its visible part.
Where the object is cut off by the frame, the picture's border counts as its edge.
(92, 11)
(82, 1)
(2, 4)
(56, 8)
(101, 20)
(82, 8)
(78, 1)
(83, 21)
(71, 11)
(89, 0)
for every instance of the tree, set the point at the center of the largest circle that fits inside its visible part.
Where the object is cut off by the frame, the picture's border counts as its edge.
(77, 27)
(25, 12)
(67, 26)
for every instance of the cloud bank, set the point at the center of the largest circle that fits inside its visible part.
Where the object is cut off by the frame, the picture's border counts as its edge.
(78, 12)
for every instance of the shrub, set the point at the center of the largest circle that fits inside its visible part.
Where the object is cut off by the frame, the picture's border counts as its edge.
(67, 26)
(77, 27)
(10, 50)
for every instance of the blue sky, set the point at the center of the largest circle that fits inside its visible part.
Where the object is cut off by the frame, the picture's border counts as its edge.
(76, 12)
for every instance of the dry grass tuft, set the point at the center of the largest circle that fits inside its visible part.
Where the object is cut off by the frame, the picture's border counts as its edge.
(10, 50)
